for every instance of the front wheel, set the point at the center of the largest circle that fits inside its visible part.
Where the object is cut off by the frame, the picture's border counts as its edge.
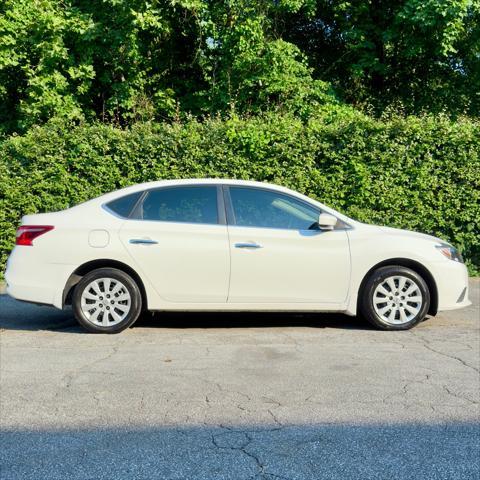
(395, 298)
(106, 300)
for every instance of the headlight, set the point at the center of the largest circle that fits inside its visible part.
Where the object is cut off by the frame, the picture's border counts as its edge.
(450, 252)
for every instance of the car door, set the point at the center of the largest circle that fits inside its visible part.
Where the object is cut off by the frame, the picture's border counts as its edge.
(178, 238)
(277, 253)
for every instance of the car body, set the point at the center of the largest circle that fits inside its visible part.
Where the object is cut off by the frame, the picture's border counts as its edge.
(209, 244)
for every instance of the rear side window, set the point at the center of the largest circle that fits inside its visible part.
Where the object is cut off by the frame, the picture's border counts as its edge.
(124, 205)
(180, 204)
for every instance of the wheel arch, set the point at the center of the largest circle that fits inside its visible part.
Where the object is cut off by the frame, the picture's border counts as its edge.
(101, 263)
(416, 267)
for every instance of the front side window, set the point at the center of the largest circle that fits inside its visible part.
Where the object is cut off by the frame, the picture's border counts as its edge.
(254, 207)
(180, 204)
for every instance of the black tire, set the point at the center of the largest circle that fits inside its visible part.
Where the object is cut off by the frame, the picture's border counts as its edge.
(377, 279)
(127, 283)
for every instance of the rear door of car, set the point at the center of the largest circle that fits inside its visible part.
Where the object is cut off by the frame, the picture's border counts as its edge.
(177, 236)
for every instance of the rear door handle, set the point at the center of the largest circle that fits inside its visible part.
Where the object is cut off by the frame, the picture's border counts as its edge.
(142, 241)
(248, 245)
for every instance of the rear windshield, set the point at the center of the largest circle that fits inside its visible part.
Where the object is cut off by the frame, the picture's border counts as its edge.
(123, 206)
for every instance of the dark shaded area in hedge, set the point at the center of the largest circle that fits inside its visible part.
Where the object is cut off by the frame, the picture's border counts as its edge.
(419, 173)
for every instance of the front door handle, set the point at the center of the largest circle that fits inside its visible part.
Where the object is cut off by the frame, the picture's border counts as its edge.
(142, 241)
(248, 245)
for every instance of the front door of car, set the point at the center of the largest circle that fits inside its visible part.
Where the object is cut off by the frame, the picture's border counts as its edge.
(277, 254)
(178, 238)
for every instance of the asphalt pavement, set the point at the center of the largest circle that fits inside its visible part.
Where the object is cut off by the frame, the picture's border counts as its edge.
(190, 396)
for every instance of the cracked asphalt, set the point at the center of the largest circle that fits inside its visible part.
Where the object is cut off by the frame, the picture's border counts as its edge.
(239, 396)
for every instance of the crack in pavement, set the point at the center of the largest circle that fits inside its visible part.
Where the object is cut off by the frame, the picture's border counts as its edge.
(242, 446)
(425, 343)
(456, 395)
(68, 378)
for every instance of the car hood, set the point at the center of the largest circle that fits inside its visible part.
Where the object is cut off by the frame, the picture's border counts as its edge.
(410, 234)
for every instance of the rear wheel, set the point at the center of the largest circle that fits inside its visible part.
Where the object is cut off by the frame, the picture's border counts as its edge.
(106, 300)
(395, 298)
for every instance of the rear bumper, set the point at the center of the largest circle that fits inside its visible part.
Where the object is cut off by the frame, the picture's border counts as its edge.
(35, 282)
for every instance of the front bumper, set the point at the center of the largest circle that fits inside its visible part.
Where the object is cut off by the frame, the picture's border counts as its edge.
(452, 284)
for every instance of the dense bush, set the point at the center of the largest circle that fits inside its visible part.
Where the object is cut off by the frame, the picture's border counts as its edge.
(415, 173)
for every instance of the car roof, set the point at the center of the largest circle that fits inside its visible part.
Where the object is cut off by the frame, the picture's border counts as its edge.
(193, 181)
(203, 181)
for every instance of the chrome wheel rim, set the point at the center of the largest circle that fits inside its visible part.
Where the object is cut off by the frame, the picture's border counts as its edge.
(105, 302)
(397, 300)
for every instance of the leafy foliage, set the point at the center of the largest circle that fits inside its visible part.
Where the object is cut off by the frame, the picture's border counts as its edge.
(127, 60)
(416, 55)
(113, 60)
(416, 173)
(123, 61)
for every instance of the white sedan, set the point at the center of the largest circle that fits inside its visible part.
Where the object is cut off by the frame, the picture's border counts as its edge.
(210, 245)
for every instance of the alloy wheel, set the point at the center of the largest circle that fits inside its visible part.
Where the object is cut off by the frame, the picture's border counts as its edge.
(397, 300)
(105, 302)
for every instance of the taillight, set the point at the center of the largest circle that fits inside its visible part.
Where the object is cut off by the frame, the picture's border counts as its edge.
(27, 233)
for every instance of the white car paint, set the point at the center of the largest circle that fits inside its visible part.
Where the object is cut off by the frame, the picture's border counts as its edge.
(190, 263)
(306, 267)
(197, 267)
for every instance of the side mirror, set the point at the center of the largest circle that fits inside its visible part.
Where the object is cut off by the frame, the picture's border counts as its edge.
(326, 221)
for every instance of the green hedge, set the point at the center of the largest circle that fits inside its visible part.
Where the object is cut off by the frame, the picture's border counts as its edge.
(415, 173)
